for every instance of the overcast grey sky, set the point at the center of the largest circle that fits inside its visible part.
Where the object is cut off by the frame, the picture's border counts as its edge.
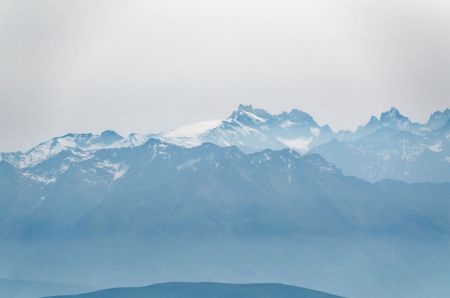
(148, 66)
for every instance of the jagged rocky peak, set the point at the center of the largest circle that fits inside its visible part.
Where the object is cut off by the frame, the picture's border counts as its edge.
(394, 119)
(373, 121)
(438, 119)
(298, 116)
(393, 115)
(247, 114)
(76, 136)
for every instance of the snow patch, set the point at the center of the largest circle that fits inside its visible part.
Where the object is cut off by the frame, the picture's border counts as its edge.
(253, 116)
(301, 144)
(116, 169)
(188, 164)
(246, 130)
(133, 140)
(40, 178)
(286, 124)
(193, 130)
(315, 131)
(190, 135)
(436, 147)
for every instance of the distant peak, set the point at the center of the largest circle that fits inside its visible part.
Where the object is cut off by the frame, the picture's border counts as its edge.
(109, 133)
(300, 117)
(75, 135)
(373, 121)
(443, 113)
(245, 107)
(252, 109)
(297, 112)
(393, 114)
(248, 114)
(439, 118)
(394, 110)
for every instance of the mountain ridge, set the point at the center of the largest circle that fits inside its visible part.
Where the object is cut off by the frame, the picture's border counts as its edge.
(220, 181)
(253, 129)
(159, 212)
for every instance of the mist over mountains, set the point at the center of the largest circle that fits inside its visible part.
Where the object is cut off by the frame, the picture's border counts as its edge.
(160, 188)
(253, 198)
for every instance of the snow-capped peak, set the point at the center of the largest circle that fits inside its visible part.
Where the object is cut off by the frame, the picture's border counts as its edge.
(253, 129)
(190, 135)
(81, 142)
(248, 115)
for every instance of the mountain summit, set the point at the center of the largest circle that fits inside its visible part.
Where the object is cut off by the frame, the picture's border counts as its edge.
(253, 129)
(393, 118)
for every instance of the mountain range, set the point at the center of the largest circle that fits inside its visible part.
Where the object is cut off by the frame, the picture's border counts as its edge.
(393, 147)
(218, 189)
(159, 212)
(184, 205)
(388, 147)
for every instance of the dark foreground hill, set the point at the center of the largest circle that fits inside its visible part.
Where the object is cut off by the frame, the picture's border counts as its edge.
(206, 290)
